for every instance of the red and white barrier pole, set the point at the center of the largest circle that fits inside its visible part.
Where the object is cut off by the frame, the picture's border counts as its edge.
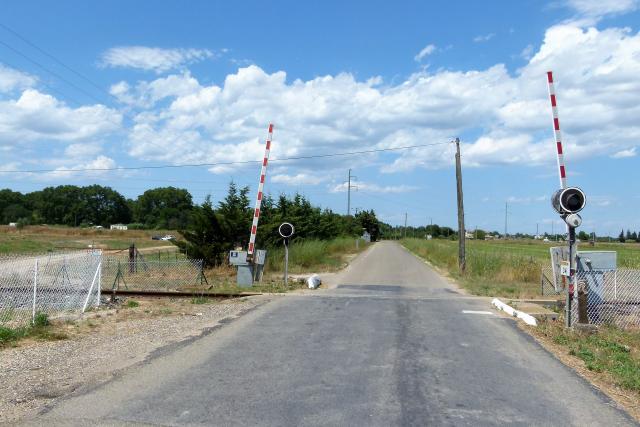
(571, 231)
(556, 130)
(263, 174)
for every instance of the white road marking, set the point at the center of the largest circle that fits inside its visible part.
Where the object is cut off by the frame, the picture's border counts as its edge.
(477, 312)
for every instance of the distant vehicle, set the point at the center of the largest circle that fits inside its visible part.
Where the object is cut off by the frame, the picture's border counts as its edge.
(168, 237)
(545, 239)
(156, 237)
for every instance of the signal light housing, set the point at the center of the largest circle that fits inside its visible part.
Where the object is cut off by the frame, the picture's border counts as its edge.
(568, 200)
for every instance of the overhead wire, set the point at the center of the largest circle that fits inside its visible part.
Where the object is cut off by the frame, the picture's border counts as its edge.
(237, 162)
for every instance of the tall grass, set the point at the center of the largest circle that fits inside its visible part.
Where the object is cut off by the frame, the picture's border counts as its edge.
(313, 255)
(507, 273)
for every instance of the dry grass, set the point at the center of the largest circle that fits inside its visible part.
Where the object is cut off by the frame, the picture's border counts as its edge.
(40, 238)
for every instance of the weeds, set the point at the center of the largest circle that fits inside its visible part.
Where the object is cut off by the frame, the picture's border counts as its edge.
(610, 350)
(317, 255)
(40, 329)
(132, 304)
(41, 319)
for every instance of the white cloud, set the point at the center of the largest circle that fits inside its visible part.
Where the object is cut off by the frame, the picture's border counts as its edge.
(527, 52)
(82, 150)
(426, 51)
(483, 38)
(373, 188)
(599, 8)
(508, 113)
(623, 154)
(38, 116)
(100, 162)
(299, 179)
(146, 94)
(153, 58)
(11, 79)
(527, 200)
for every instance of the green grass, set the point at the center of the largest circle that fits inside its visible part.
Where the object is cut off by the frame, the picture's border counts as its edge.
(505, 268)
(308, 255)
(41, 329)
(610, 350)
(132, 304)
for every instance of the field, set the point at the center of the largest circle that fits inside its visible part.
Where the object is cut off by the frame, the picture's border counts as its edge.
(508, 268)
(40, 239)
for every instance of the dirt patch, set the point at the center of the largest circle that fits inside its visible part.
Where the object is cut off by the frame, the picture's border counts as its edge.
(33, 373)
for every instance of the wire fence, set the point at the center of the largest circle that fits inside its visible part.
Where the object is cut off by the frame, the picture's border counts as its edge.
(608, 297)
(148, 275)
(51, 284)
(603, 296)
(550, 285)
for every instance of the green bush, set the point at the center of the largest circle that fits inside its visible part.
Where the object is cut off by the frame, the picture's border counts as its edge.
(41, 320)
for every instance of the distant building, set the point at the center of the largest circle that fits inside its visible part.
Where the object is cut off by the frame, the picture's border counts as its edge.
(468, 235)
(119, 227)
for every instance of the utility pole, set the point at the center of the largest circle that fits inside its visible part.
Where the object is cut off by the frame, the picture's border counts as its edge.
(537, 229)
(506, 210)
(405, 225)
(462, 264)
(349, 187)
(349, 194)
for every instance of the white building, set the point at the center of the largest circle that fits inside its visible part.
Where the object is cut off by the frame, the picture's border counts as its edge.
(119, 227)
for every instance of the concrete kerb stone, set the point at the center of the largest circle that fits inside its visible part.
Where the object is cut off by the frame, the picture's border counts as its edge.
(526, 318)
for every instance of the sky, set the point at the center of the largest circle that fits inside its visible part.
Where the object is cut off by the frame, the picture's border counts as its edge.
(120, 84)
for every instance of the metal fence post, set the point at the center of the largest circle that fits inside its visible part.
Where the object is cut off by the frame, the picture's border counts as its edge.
(93, 282)
(35, 288)
(99, 279)
(286, 262)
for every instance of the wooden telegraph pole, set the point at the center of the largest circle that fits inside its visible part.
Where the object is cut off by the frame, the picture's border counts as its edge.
(462, 263)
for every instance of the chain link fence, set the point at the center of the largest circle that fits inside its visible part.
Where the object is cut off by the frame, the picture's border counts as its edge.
(149, 275)
(603, 296)
(51, 284)
(548, 282)
(608, 297)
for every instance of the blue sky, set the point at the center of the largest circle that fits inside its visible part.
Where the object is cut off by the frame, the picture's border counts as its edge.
(155, 83)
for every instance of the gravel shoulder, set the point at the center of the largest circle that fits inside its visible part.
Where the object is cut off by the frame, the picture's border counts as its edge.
(35, 373)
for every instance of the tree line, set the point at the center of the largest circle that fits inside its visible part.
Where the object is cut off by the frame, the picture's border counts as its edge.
(216, 229)
(210, 230)
(95, 205)
(630, 236)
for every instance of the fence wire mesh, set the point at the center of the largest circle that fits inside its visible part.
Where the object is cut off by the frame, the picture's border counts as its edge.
(141, 274)
(548, 282)
(608, 297)
(50, 284)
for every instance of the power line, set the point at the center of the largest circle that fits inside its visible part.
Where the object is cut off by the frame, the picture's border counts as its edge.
(44, 52)
(53, 73)
(39, 65)
(239, 162)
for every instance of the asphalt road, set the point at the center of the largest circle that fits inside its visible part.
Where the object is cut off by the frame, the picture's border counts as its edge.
(392, 344)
